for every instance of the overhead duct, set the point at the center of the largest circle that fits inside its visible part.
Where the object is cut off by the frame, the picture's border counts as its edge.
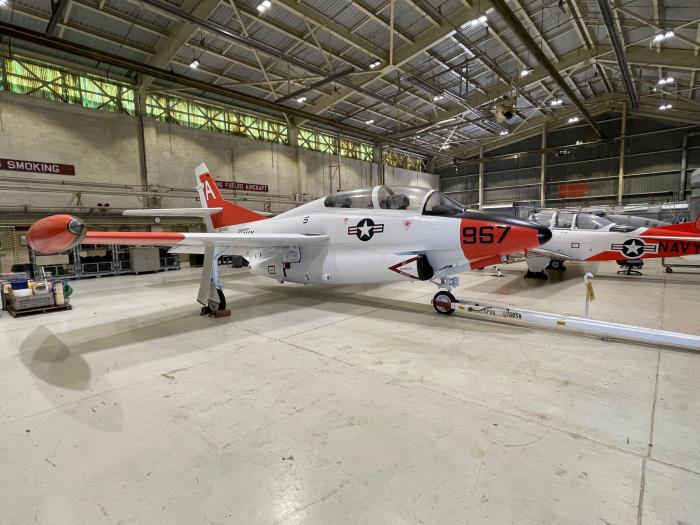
(619, 49)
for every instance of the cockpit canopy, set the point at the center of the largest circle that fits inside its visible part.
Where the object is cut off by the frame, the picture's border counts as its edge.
(569, 219)
(411, 198)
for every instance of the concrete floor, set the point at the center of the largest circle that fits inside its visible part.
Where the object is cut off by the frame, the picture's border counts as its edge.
(336, 405)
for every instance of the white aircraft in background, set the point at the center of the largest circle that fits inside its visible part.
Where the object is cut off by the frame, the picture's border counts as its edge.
(374, 235)
(579, 236)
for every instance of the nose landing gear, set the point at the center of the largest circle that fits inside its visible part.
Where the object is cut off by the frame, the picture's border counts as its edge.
(443, 301)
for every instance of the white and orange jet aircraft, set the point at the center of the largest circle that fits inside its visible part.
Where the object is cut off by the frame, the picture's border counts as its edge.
(374, 235)
(581, 236)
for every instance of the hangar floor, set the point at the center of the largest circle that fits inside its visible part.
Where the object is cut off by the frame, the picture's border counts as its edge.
(338, 405)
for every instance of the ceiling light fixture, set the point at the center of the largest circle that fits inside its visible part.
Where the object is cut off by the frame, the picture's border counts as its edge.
(573, 120)
(301, 100)
(663, 36)
(483, 20)
(557, 102)
(446, 146)
(370, 121)
(264, 6)
(664, 107)
(666, 80)
(4, 3)
(525, 72)
(374, 65)
(194, 64)
(438, 97)
(504, 132)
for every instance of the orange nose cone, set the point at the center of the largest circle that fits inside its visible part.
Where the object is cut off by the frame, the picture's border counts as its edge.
(55, 234)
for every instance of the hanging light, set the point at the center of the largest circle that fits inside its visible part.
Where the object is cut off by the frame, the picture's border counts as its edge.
(193, 65)
(375, 65)
(525, 72)
(264, 6)
(504, 132)
(573, 120)
(369, 122)
(301, 100)
(663, 36)
(666, 80)
(664, 107)
(438, 97)
(557, 102)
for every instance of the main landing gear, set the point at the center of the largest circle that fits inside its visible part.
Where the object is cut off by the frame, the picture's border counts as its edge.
(443, 301)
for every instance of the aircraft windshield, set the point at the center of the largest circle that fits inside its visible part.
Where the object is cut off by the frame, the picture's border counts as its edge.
(384, 197)
(440, 204)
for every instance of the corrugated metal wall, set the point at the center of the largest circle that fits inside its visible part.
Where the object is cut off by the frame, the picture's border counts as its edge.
(581, 173)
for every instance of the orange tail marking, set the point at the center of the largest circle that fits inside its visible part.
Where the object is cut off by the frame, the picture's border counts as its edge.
(232, 213)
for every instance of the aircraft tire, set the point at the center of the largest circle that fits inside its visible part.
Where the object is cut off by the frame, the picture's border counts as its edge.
(443, 296)
(556, 265)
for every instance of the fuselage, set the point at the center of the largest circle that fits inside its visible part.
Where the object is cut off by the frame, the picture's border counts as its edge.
(587, 237)
(373, 245)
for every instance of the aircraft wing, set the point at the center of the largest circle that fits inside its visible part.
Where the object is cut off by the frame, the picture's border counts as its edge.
(551, 254)
(178, 212)
(172, 212)
(58, 233)
(232, 240)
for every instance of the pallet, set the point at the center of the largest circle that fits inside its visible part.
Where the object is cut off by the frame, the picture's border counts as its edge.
(38, 310)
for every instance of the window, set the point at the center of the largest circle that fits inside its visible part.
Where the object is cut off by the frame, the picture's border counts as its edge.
(198, 115)
(588, 221)
(361, 198)
(52, 83)
(543, 217)
(328, 143)
(564, 219)
(404, 160)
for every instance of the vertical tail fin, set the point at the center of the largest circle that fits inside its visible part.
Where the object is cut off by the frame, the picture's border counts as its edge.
(210, 197)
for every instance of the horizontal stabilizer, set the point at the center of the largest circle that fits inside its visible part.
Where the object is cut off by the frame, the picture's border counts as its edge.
(172, 212)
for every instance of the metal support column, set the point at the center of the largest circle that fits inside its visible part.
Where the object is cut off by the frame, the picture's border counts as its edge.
(481, 177)
(543, 167)
(379, 159)
(621, 170)
(141, 109)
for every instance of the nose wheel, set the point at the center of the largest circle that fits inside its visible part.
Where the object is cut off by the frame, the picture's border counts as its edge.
(443, 301)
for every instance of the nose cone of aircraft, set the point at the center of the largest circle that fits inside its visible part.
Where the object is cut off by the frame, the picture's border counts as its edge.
(484, 234)
(544, 234)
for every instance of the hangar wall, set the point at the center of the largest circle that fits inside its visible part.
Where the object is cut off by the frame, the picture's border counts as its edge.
(584, 173)
(104, 147)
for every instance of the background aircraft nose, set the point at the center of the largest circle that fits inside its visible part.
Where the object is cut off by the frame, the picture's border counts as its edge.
(544, 234)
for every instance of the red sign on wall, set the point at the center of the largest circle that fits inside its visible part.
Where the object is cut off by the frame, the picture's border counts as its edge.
(577, 189)
(241, 186)
(33, 166)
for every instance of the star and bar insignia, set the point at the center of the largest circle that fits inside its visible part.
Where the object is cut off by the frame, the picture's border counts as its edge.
(634, 248)
(365, 229)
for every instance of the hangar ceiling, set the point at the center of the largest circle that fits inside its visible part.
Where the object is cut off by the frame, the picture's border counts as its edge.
(433, 85)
